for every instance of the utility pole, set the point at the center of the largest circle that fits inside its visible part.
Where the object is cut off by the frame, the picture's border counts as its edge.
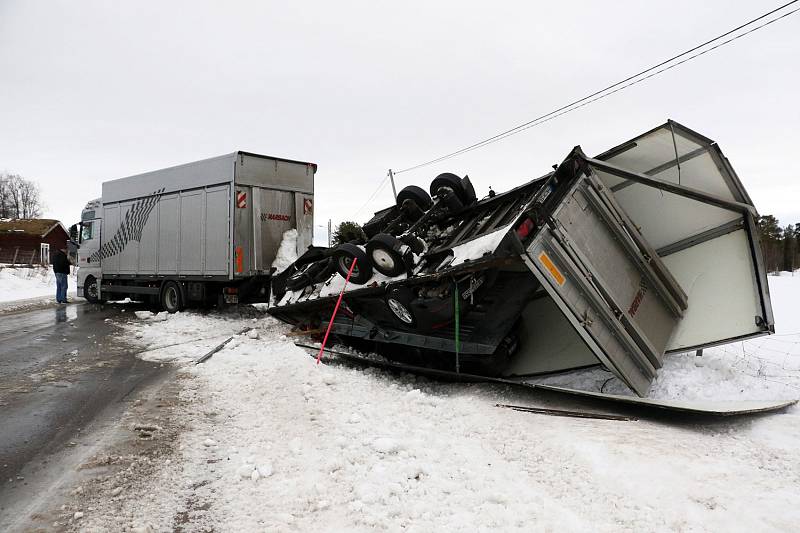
(394, 190)
(329, 233)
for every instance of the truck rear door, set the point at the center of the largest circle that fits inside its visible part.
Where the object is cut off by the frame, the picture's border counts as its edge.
(621, 300)
(274, 213)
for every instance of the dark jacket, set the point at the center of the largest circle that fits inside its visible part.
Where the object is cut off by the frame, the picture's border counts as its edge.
(60, 263)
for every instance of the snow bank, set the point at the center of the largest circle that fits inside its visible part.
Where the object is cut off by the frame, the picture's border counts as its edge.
(26, 283)
(183, 337)
(23, 283)
(287, 252)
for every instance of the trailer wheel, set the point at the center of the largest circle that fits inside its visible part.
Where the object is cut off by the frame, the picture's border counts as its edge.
(416, 195)
(448, 180)
(343, 258)
(399, 303)
(384, 251)
(91, 290)
(310, 274)
(171, 298)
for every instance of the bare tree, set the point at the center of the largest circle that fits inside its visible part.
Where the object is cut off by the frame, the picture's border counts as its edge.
(19, 197)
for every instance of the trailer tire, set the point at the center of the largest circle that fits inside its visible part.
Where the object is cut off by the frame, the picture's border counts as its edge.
(450, 181)
(385, 253)
(91, 290)
(343, 258)
(310, 274)
(171, 297)
(416, 195)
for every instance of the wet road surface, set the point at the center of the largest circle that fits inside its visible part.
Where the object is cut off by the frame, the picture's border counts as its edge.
(59, 368)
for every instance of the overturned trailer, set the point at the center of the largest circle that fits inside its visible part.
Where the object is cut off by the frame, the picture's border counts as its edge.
(649, 248)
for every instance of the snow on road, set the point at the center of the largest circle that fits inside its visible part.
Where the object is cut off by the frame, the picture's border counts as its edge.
(274, 442)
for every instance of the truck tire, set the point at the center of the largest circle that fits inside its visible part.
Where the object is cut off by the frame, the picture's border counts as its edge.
(91, 290)
(171, 297)
(343, 258)
(416, 195)
(385, 252)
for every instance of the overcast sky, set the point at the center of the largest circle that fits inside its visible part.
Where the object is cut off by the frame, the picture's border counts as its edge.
(97, 90)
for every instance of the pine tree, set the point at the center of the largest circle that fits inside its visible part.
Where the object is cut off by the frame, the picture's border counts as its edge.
(789, 240)
(771, 236)
(348, 231)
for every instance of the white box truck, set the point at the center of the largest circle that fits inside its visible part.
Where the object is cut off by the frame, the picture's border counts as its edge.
(203, 232)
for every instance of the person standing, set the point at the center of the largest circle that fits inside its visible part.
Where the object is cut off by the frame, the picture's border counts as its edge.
(61, 263)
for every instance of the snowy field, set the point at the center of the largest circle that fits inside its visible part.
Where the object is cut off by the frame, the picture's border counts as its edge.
(273, 442)
(29, 283)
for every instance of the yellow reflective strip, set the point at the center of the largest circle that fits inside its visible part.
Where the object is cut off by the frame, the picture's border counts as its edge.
(551, 267)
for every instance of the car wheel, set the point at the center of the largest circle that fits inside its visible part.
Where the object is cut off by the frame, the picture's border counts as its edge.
(343, 259)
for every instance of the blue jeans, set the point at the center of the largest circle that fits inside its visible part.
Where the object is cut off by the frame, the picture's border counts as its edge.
(61, 288)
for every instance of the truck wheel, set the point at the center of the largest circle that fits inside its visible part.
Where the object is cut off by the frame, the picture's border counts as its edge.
(171, 299)
(445, 181)
(343, 257)
(91, 290)
(416, 195)
(384, 251)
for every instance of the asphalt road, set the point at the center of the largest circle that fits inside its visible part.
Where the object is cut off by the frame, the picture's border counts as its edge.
(59, 369)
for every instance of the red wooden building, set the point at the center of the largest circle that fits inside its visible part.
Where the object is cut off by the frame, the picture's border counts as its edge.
(30, 241)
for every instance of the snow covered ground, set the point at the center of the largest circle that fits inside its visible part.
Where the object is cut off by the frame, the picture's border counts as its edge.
(26, 283)
(274, 442)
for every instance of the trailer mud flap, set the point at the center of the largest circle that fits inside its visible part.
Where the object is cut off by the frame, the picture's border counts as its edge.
(622, 302)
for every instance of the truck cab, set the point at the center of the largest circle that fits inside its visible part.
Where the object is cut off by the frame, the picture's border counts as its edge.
(89, 233)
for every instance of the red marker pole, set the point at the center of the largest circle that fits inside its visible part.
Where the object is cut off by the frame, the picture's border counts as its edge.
(335, 309)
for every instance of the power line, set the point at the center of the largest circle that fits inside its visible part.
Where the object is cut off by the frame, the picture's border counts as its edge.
(618, 86)
(378, 189)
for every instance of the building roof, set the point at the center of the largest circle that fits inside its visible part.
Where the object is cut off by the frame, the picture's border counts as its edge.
(38, 227)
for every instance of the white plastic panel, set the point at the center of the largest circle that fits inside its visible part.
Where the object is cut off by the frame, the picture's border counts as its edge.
(719, 279)
(217, 245)
(660, 154)
(168, 234)
(699, 173)
(652, 150)
(148, 246)
(192, 226)
(548, 342)
(111, 217)
(129, 256)
(665, 218)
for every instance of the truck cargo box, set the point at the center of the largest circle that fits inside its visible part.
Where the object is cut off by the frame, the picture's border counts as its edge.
(212, 220)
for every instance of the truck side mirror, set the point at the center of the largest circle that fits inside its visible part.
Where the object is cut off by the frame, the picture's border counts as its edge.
(73, 232)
